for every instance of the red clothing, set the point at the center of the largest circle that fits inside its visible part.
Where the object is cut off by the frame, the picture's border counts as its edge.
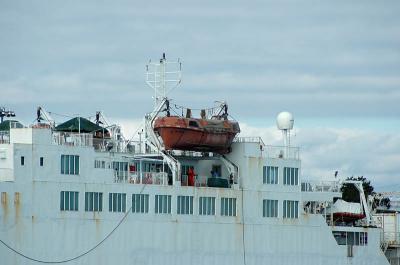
(190, 177)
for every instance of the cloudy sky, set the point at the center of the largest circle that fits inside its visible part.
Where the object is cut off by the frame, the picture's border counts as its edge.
(334, 64)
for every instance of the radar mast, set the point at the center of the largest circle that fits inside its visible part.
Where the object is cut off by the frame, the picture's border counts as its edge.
(163, 77)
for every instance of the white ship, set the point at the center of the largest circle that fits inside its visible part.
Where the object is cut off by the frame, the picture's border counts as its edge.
(75, 196)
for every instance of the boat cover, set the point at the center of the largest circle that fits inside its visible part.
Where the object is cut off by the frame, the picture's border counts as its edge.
(85, 125)
(341, 206)
(5, 125)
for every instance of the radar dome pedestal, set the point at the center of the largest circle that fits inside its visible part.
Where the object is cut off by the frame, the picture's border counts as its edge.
(285, 122)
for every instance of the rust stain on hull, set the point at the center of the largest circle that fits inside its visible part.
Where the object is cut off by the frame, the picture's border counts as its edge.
(17, 206)
(4, 206)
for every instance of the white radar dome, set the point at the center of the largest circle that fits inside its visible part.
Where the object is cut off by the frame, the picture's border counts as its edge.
(285, 121)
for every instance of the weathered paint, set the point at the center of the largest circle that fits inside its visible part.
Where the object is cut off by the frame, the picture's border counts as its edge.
(54, 235)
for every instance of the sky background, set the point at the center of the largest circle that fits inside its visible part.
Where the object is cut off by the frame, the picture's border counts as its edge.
(334, 64)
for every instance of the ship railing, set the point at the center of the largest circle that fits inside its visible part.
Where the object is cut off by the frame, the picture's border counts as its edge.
(320, 186)
(73, 139)
(391, 238)
(4, 137)
(121, 176)
(249, 140)
(136, 177)
(283, 152)
(199, 181)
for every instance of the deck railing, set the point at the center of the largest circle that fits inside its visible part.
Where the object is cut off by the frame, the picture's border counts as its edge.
(283, 152)
(73, 139)
(391, 238)
(249, 140)
(320, 186)
(156, 178)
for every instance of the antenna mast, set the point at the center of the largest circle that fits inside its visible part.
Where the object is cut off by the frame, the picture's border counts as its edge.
(163, 77)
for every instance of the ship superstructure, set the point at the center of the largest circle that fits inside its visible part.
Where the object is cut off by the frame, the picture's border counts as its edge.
(93, 197)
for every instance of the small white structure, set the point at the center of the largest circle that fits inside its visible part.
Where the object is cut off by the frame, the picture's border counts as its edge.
(285, 122)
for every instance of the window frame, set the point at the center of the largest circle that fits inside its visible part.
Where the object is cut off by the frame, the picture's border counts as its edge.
(207, 205)
(162, 204)
(270, 208)
(290, 209)
(117, 202)
(70, 164)
(184, 205)
(93, 201)
(228, 206)
(68, 202)
(140, 203)
(271, 175)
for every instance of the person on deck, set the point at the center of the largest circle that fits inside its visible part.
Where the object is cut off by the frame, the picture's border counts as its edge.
(191, 177)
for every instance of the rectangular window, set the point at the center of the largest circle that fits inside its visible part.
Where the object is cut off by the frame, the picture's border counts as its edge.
(69, 200)
(140, 203)
(207, 206)
(228, 206)
(270, 175)
(99, 164)
(162, 204)
(270, 208)
(22, 160)
(290, 209)
(70, 164)
(185, 205)
(351, 238)
(290, 176)
(93, 201)
(41, 161)
(117, 202)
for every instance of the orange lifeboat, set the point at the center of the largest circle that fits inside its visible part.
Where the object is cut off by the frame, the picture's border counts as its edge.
(202, 135)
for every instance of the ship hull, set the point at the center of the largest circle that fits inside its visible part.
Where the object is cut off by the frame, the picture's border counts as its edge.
(40, 231)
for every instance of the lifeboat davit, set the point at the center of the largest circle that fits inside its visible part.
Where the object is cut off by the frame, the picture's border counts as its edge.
(202, 135)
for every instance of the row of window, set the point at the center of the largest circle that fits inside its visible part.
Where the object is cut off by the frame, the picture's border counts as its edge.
(290, 209)
(290, 175)
(69, 201)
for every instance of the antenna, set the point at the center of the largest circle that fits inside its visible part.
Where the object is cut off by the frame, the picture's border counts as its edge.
(163, 77)
(285, 122)
(6, 113)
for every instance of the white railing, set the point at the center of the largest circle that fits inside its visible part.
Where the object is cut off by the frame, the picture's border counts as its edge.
(73, 139)
(283, 152)
(249, 140)
(156, 178)
(4, 137)
(391, 238)
(199, 181)
(320, 186)
(121, 176)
